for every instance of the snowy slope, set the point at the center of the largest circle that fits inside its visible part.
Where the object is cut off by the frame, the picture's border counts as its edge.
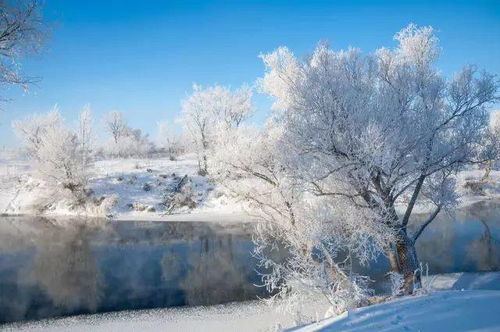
(137, 187)
(439, 311)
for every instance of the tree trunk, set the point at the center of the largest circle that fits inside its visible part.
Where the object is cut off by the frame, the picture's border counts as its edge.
(204, 170)
(408, 264)
(393, 260)
(487, 170)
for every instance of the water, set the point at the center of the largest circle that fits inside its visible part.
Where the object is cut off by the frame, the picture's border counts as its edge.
(469, 241)
(51, 267)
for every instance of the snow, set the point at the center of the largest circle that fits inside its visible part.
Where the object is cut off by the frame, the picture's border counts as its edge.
(123, 181)
(241, 317)
(439, 311)
(454, 302)
(490, 190)
(464, 280)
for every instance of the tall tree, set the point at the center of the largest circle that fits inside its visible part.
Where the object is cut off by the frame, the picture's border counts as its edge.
(355, 142)
(385, 130)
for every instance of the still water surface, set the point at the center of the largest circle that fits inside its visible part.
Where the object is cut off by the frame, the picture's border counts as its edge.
(50, 267)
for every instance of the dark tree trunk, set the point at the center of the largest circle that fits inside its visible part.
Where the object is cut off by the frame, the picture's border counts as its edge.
(407, 263)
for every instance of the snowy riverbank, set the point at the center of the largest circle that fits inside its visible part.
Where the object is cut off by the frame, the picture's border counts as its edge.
(458, 298)
(137, 189)
(131, 189)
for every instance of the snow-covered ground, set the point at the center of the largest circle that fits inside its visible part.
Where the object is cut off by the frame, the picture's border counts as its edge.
(454, 302)
(458, 302)
(138, 189)
(474, 310)
(135, 189)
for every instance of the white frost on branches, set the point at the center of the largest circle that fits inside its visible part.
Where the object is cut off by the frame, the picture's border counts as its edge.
(352, 137)
(209, 111)
(62, 156)
(321, 240)
(125, 141)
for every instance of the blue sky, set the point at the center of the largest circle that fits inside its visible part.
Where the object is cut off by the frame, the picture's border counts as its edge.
(142, 57)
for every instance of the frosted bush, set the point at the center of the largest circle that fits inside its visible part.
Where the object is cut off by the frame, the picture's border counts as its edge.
(61, 158)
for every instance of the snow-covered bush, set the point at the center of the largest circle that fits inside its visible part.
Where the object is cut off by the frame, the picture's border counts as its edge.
(397, 281)
(210, 111)
(180, 194)
(61, 156)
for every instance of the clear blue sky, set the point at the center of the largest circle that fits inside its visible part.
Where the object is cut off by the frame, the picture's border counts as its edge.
(142, 57)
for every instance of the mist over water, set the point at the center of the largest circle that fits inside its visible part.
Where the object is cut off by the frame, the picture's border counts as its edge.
(52, 267)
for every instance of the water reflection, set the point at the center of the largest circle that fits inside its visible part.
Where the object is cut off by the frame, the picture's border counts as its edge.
(465, 242)
(51, 267)
(484, 252)
(214, 276)
(65, 267)
(47, 267)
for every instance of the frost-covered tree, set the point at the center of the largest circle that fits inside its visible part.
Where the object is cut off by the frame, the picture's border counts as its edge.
(56, 151)
(115, 125)
(354, 144)
(381, 132)
(168, 140)
(125, 141)
(22, 32)
(208, 111)
(494, 141)
(322, 237)
(33, 128)
(86, 135)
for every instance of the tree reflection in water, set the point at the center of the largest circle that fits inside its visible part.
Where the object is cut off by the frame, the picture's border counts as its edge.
(66, 268)
(51, 267)
(465, 243)
(484, 251)
(47, 267)
(213, 275)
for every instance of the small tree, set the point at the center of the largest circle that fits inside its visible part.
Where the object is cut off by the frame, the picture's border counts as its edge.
(86, 135)
(115, 125)
(168, 140)
(32, 129)
(125, 141)
(208, 111)
(60, 157)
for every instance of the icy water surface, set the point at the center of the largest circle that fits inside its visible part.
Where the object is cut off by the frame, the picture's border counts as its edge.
(51, 267)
